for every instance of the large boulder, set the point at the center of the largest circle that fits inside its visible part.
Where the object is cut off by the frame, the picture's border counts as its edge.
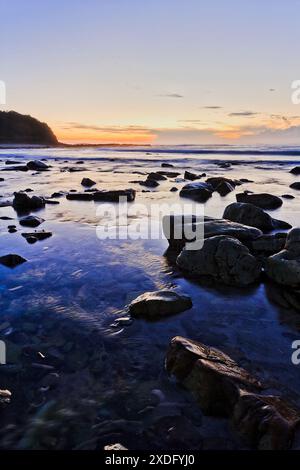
(176, 228)
(199, 191)
(222, 258)
(216, 181)
(249, 214)
(23, 202)
(295, 170)
(263, 200)
(268, 245)
(222, 388)
(153, 305)
(284, 267)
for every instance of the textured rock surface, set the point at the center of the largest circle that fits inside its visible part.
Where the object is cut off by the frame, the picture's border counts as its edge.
(222, 258)
(249, 214)
(152, 305)
(263, 200)
(12, 260)
(31, 221)
(199, 191)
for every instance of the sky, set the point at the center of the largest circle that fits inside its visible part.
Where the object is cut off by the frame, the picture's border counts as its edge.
(155, 71)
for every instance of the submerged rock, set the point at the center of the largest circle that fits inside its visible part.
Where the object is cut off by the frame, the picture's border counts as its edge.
(199, 191)
(295, 185)
(12, 260)
(169, 174)
(222, 388)
(114, 195)
(249, 214)
(158, 176)
(32, 237)
(79, 196)
(149, 183)
(153, 305)
(222, 258)
(31, 221)
(263, 200)
(87, 182)
(295, 170)
(188, 175)
(284, 267)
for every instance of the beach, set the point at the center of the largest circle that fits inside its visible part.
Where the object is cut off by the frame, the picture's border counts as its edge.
(76, 359)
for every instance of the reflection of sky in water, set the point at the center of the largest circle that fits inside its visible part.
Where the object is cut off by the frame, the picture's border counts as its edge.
(73, 275)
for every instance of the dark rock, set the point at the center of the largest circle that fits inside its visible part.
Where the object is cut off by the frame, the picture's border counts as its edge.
(79, 196)
(296, 170)
(51, 201)
(37, 165)
(288, 196)
(224, 188)
(88, 182)
(57, 194)
(295, 185)
(269, 244)
(32, 237)
(156, 176)
(12, 260)
(24, 202)
(18, 128)
(169, 174)
(16, 168)
(149, 183)
(191, 176)
(153, 305)
(167, 165)
(173, 189)
(31, 221)
(249, 214)
(223, 259)
(114, 195)
(263, 200)
(215, 181)
(199, 191)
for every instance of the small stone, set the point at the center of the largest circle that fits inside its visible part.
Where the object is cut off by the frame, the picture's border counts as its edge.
(12, 260)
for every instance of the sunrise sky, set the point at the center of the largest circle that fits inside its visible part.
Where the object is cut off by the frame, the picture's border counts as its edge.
(155, 71)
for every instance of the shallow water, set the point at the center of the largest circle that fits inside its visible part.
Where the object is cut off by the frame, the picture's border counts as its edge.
(64, 303)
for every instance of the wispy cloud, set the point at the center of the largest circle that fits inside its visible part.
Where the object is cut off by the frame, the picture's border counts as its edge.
(171, 95)
(243, 114)
(212, 107)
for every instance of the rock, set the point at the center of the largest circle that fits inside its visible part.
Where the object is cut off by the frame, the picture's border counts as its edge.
(176, 228)
(199, 191)
(51, 201)
(263, 200)
(173, 189)
(114, 195)
(156, 176)
(24, 202)
(153, 305)
(284, 267)
(1, 180)
(87, 182)
(16, 168)
(31, 221)
(295, 185)
(12, 229)
(224, 188)
(5, 397)
(12, 260)
(215, 181)
(191, 176)
(222, 258)
(115, 447)
(249, 214)
(37, 165)
(269, 244)
(11, 162)
(169, 174)
(167, 165)
(79, 196)
(32, 237)
(296, 170)
(5, 204)
(245, 180)
(288, 196)
(58, 194)
(222, 388)
(149, 183)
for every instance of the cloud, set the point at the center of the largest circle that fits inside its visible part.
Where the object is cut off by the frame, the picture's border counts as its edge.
(212, 107)
(243, 113)
(105, 129)
(171, 95)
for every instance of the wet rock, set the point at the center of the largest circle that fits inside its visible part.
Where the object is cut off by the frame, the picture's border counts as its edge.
(269, 244)
(222, 388)
(295, 185)
(173, 189)
(191, 176)
(87, 182)
(169, 174)
(12, 260)
(156, 176)
(1, 179)
(5, 203)
(115, 447)
(5, 397)
(37, 165)
(199, 191)
(284, 267)
(153, 305)
(222, 258)
(57, 194)
(246, 180)
(12, 229)
(79, 196)
(32, 237)
(288, 196)
(216, 181)
(249, 214)
(31, 221)
(263, 200)
(167, 165)
(51, 201)
(224, 188)
(178, 228)
(296, 170)
(16, 168)
(24, 202)
(114, 195)
(11, 162)
(149, 183)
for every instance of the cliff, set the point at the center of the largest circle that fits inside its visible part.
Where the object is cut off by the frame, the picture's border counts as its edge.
(18, 128)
